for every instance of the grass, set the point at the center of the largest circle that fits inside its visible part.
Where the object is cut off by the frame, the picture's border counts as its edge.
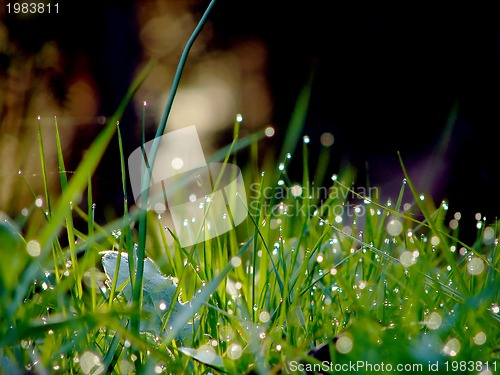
(380, 287)
(306, 278)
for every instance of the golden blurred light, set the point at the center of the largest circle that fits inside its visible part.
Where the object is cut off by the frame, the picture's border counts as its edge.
(327, 139)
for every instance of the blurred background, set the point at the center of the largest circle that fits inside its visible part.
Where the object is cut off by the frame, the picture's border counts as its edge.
(385, 80)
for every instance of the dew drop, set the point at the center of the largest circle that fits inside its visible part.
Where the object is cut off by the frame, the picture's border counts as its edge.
(394, 227)
(160, 208)
(344, 344)
(39, 202)
(488, 235)
(480, 338)
(475, 266)
(296, 190)
(177, 163)
(90, 363)
(453, 224)
(452, 347)
(264, 316)
(33, 248)
(435, 240)
(234, 351)
(433, 321)
(236, 261)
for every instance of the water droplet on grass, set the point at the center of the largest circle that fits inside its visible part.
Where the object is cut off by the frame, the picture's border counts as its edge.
(160, 208)
(90, 363)
(435, 240)
(344, 344)
(480, 338)
(236, 261)
(39, 202)
(452, 347)
(234, 351)
(264, 316)
(33, 248)
(296, 190)
(488, 235)
(394, 227)
(475, 266)
(433, 321)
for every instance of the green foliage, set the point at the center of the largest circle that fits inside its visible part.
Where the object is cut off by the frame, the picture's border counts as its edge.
(298, 274)
(306, 277)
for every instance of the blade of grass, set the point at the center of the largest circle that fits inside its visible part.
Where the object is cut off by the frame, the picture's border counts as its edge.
(75, 187)
(137, 289)
(443, 240)
(297, 120)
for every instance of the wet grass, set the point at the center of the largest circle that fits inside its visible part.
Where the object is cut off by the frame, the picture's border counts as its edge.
(360, 279)
(327, 279)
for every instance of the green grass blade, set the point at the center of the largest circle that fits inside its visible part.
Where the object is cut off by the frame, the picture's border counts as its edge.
(442, 238)
(297, 121)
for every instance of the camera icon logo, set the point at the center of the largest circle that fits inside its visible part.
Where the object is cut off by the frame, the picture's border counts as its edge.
(204, 200)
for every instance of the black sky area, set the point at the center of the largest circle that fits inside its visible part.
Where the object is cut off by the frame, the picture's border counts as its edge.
(386, 79)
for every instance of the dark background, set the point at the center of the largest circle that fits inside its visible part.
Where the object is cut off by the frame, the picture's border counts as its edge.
(385, 80)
